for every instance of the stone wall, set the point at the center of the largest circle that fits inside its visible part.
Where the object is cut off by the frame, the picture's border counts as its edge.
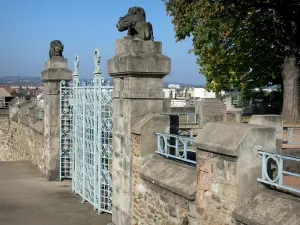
(21, 137)
(154, 204)
(216, 189)
(163, 190)
(222, 189)
(4, 136)
(137, 69)
(228, 166)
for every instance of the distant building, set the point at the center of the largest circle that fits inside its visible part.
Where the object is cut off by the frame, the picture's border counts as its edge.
(5, 95)
(201, 93)
(7, 88)
(188, 92)
(176, 86)
(178, 103)
(169, 92)
(27, 86)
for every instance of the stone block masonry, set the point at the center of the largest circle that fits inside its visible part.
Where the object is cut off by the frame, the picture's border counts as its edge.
(163, 191)
(4, 137)
(56, 70)
(228, 167)
(138, 69)
(156, 205)
(19, 142)
(222, 189)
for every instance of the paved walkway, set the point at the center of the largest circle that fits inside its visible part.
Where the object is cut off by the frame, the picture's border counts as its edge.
(26, 198)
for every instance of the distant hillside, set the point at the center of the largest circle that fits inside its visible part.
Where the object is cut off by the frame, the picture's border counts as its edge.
(37, 80)
(19, 80)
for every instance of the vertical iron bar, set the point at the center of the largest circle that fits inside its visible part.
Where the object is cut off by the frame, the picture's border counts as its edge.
(60, 134)
(280, 170)
(177, 147)
(101, 146)
(185, 147)
(95, 140)
(84, 142)
(75, 141)
(263, 164)
(158, 142)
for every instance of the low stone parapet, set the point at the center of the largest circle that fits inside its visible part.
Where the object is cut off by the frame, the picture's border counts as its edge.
(22, 133)
(163, 190)
(228, 165)
(268, 207)
(224, 187)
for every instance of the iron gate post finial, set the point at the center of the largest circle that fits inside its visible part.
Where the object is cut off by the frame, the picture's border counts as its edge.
(76, 67)
(97, 59)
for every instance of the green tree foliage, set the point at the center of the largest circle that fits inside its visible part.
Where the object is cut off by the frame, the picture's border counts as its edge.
(241, 44)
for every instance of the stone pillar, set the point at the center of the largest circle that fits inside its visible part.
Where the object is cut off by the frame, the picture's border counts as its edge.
(138, 69)
(274, 121)
(56, 71)
(210, 110)
(228, 165)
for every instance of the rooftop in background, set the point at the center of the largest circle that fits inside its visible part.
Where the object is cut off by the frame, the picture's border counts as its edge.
(5, 92)
(7, 88)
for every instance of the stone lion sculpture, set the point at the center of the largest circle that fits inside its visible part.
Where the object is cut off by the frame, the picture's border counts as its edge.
(135, 22)
(56, 49)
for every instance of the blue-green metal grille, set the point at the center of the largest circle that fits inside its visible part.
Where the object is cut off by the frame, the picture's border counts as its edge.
(86, 137)
(66, 129)
(92, 143)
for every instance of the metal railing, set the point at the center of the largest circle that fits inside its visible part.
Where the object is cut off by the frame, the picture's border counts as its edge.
(290, 131)
(186, 132)
(186, 118)
(269, 160)
(176, 147)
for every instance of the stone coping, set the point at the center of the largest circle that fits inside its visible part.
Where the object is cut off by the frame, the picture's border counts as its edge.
(38, 127)
(56, 75)
(232, 139)
(268, 207)
(22, 105)
(176, 177)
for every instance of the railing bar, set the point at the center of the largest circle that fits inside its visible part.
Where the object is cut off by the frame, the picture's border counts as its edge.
(172, 156)
(294, 158)
(290, 173)
(175, 136)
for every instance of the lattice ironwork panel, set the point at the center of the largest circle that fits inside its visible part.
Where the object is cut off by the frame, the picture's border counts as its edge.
(106, 149)
(66, 129)
(86, 137)
(93, 143)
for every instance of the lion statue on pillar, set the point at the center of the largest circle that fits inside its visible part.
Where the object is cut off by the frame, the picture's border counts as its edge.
(56, 49)
(135, 22)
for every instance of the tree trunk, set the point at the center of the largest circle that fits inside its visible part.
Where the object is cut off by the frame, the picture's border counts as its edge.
(281, 97)
(290, 75)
